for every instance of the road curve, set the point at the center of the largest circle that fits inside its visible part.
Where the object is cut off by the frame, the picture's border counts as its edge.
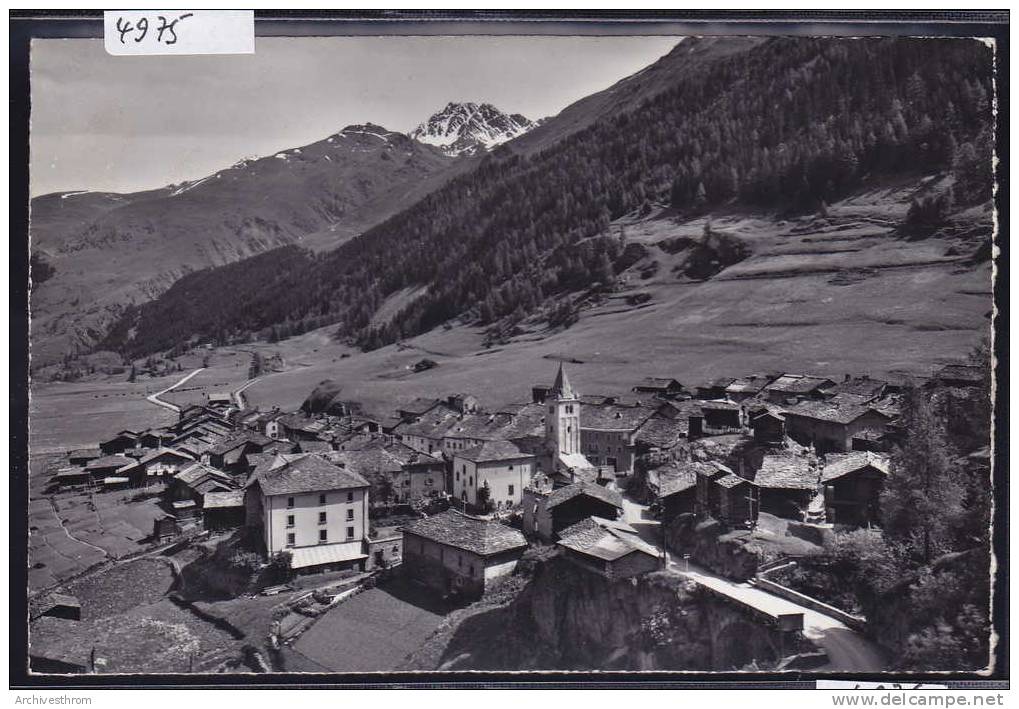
(154, 398)
(239, 392)
(848, 650)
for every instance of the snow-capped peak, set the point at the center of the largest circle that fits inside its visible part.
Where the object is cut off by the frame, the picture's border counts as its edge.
(466, 127)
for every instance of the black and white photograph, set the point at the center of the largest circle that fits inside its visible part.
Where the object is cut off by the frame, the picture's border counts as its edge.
(620, 351)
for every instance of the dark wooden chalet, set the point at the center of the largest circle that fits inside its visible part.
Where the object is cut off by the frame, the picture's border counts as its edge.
(852, 486)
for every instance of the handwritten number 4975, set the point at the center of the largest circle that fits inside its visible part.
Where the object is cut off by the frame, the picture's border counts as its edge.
(141, 29)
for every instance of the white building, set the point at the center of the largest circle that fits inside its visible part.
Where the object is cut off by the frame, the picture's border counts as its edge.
(313, 509)
(500, 465)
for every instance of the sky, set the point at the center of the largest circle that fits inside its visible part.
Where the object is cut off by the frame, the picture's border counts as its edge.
(123, 124)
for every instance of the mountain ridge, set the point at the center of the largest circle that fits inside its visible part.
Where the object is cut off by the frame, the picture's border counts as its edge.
(467, 128)
(784, 124)
(110, 250)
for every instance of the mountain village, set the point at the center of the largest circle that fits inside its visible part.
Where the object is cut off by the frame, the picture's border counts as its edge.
(449, 496)
(663, 428)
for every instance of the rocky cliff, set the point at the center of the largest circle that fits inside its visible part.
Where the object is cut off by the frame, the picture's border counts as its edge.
(566, 618)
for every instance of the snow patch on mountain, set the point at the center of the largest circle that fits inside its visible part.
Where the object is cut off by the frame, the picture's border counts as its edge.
(461, 128)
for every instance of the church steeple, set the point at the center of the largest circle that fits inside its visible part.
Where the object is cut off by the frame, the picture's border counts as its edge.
(561, 389)
(562, 421)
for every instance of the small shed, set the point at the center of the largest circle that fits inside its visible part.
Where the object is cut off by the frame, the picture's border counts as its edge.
(729, 498)
(768, 426)
(165, 527)
(853, 484)
(677, 490)
(787, 483)
(185, 510)
(71, 477)
(223, 509)
(722, 416)
(610, 548)
(121, 442)
(665, 387)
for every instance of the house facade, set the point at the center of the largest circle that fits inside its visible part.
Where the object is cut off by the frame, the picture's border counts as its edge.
(498, 465)
(454, 553)
(831, 426)
(547, 512)
(313, 509)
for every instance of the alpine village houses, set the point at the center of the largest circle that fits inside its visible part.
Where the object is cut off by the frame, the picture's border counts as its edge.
(480, 486)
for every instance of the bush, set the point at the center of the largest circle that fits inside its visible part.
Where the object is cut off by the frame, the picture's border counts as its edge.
(928, 213)
(279, 569)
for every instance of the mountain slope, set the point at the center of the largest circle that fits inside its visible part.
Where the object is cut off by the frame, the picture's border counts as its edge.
(775, 125)
(112, 250)
(461, 128)
(686, 59)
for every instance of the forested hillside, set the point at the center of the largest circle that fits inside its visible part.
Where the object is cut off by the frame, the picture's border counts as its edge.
(784, 125)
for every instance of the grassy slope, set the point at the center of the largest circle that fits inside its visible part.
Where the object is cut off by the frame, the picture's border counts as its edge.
(902, 306)
(781, 309)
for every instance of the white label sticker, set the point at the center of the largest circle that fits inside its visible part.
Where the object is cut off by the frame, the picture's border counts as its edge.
(852, 684)
(142, 32)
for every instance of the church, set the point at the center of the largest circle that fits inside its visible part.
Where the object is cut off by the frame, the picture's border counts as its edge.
(562, 433)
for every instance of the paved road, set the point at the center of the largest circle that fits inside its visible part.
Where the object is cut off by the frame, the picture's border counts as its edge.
(848, 651)
(154, 398)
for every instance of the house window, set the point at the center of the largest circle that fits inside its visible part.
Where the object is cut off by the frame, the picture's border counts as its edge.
(350, 497)
(290, 520)
(406, 482)
(458, 476)
(470, 480)
(321, 517)
(290, 539)
(396, 550)
(322, 499)
(429, 482)
(350, 532)
(290, 502)
(510, 491)
(323, 535)
(350, 514)
(511, 466)
(459, 561)
(471, 568)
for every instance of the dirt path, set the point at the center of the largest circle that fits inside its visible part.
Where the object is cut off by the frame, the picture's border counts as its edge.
(239, 392)
(154, 398)
(73, 538)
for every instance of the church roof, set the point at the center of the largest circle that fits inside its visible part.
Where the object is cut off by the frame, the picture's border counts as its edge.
(562, 388)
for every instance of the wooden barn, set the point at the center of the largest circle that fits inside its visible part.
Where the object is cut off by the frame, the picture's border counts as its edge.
(852, 484)
(788, 484)
(610, 548)
(727, 497)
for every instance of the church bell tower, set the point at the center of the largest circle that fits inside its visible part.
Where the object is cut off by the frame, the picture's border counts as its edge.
(562, 417)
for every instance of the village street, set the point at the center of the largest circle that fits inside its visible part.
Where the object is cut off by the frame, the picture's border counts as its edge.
(848, 651)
